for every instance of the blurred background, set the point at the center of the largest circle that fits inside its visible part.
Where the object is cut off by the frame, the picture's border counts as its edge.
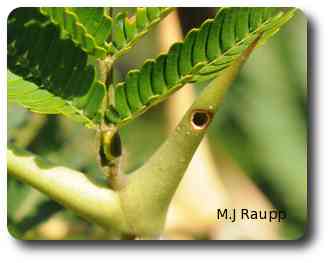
(254, 156)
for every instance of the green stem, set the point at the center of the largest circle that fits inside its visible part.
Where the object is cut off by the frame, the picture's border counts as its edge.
(150, 189)
(70, 188)
(112, 172)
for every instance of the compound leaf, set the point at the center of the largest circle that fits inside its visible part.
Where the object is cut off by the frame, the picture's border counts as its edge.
(88, 27)
(99, 34)
(50, 74)
(129, 29)
(203, 55)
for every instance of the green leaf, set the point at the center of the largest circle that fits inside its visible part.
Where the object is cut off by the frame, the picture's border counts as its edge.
(38, 100)
(51, 74)
(204, 53)
(128, 30)
(88, 27)
(98, 34)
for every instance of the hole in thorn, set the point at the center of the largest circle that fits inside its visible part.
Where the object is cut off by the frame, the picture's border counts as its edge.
(200, 119)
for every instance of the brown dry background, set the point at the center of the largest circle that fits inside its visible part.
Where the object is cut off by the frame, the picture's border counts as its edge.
(254, 156)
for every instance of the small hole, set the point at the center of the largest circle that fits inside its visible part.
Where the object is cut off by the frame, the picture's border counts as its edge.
(200, 119)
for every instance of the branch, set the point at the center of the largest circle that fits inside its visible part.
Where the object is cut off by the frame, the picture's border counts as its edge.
(70, 188)
(108, 132)
(150, 189)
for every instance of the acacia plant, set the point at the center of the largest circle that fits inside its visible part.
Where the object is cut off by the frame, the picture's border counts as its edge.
(51, 70)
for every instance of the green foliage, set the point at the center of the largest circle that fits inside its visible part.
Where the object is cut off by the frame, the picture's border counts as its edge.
(88, 27)
(38, 100)
(48, 48)
(67, 85)
(98, 34)
(204, 53)
(64, 83)
(128, 30)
